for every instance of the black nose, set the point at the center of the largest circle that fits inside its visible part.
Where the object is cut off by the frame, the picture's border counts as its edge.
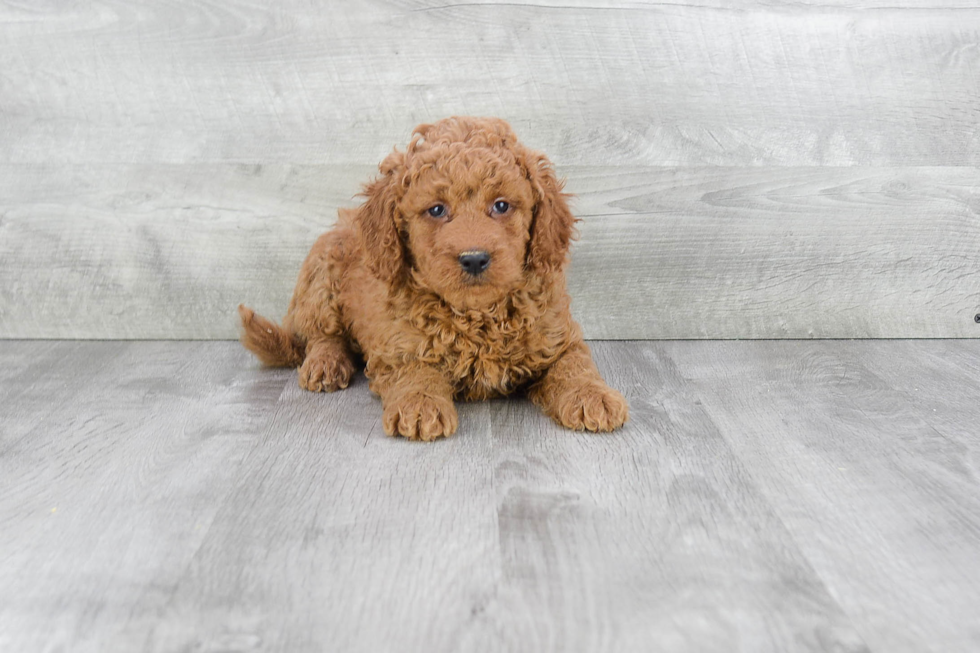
(474, 262)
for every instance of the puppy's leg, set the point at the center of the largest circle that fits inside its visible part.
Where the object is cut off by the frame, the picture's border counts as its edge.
(573, 394)
(315, 314)
(418, 402)
(328, 365)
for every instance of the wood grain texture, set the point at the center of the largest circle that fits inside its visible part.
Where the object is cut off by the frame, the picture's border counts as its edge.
(869, 453)
(167, 251)
(338, 537)
(769, 496)
(155, 251)
(775, 170)
(114, 460)
(652, 539)
(780, 253)
(179, 527)
(766, 83)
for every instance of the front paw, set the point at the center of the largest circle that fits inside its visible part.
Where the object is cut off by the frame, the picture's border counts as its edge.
(326, 370)
(419, 416)
(592, 407)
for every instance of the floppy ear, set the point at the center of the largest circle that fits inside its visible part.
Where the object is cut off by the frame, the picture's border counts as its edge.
(553, 225)
(377, 224)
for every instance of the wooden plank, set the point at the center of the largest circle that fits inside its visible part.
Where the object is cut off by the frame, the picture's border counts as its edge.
(650, 539)
(764, 497)
(156, 251)
(31, 373)
(779, 253)
(197, 509)
(784, 83)
(338, 537)
(114, 460)
(159, 251)
(868, 452)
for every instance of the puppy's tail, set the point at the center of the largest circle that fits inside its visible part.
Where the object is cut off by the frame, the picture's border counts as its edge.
(272, 344)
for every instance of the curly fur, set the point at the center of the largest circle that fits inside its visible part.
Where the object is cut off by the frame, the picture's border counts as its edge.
(386, 283)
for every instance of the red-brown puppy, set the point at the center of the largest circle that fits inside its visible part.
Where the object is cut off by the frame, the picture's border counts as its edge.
(449, 281)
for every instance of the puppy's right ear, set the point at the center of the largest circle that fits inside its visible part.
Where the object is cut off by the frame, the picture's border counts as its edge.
(377, 223)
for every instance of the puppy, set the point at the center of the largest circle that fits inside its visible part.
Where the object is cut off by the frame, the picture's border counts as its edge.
(449, 282)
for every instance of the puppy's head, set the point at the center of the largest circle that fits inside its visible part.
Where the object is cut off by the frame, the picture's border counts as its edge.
(467, 210)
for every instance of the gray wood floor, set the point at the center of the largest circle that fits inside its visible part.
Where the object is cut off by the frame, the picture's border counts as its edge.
(766, 496)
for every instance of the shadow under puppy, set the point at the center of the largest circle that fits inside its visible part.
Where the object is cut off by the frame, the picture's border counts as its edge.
(449, 281)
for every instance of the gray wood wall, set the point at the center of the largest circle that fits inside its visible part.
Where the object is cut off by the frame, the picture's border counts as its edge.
(750, 169)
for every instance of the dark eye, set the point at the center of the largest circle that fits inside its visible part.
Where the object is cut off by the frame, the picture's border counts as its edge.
(500, 207)
(437, 211)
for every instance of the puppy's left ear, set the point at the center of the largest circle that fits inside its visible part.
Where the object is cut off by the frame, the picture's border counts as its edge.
(553, 225)
(377, 223)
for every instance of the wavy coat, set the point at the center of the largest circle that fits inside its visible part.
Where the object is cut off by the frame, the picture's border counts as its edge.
(449, 282)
